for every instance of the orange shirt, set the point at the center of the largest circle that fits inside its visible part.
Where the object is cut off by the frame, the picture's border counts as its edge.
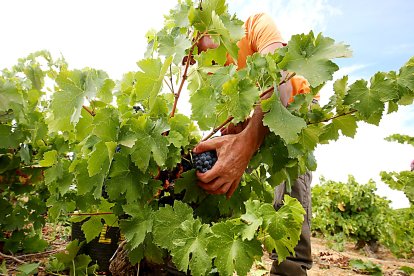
(260, 32)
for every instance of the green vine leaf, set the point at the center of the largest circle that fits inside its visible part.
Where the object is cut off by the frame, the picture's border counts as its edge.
(231, 251)
(280, 121)
(311, 57)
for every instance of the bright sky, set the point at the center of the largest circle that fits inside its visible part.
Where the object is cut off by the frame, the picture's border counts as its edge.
(110, 35)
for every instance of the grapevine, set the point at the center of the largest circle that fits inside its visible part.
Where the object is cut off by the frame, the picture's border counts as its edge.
(119, 151)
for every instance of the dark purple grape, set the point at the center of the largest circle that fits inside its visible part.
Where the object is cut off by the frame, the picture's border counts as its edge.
(118, 148)
(205, 160)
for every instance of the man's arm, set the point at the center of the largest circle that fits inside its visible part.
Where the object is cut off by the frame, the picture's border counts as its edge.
(235, 151)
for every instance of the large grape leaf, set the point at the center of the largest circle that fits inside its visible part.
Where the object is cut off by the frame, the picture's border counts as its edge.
(136, 228)
(149, 80)
(384, 87)
(406, 75)
(106, 123)
(149, 141)
(231, 251)
(166, 220)
(283, 227)
(92, 227)
(88, 184)
(241, 95)
(213, 56)
(222, 75)
(189, 247)
(75, 86)
(9, 138)
(252, 218)
(203, 103)
(184, 128)
(188, 183)
(218, 27)
(367, 101)
(309, 137)
(347, 124)
(122, 171)
(174, 45)
(201, 18)
(9, 95)
(311, 57)
(101, 158)
(49, 158)
(281, 121)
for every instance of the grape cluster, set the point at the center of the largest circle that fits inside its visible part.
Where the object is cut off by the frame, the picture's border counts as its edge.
(205, 160)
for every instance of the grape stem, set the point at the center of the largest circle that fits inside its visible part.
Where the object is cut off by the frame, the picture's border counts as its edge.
(264, 93)
(89, 111)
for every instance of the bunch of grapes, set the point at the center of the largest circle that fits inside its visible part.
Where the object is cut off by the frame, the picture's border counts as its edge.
(204, 161)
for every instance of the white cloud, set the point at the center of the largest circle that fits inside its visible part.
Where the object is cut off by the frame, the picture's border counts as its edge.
(291, 17)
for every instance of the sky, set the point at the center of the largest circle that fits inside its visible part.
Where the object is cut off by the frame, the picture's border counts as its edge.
(110, 35)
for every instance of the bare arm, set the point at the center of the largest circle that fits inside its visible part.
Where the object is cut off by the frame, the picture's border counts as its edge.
(235, 151)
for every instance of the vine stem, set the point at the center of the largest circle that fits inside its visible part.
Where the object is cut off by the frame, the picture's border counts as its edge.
(334, 117)
(90, 214)
(5, 256)
(89, 111)
(264, 93)
(183, 79)
(41, 253)
(12, 258)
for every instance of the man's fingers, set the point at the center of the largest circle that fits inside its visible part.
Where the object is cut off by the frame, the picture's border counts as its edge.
(223, 189)
(211, 174)
(213, 185)
(233, 188)
(206, 146)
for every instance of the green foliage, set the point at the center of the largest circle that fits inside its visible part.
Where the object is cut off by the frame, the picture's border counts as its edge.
(72, 261)
(349, 208)
(398, 233)
(70, 140)
(365, 267)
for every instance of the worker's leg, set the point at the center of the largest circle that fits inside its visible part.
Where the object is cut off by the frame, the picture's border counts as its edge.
(296, 266)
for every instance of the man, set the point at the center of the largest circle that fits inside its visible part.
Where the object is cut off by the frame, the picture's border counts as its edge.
(239, 143)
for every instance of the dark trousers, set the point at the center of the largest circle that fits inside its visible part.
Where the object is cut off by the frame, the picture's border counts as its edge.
(296, 265)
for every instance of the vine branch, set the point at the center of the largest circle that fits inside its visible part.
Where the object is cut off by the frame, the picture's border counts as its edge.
(334, 117)
(11, 258)
(90, 214)
(184, 77)
(89, 110)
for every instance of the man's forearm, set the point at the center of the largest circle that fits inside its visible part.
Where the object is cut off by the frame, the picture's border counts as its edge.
(255, 131)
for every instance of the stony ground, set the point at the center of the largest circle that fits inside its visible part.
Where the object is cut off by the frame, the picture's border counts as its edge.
(328, 262)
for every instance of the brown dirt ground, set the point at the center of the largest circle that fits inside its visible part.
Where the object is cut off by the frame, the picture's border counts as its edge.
(328, 262)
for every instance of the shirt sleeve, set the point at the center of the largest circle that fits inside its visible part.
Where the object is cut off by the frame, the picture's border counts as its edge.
(300, 86)
(262, 32)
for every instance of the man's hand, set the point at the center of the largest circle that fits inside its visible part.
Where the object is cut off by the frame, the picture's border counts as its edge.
(234, 153)
(234, 129)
